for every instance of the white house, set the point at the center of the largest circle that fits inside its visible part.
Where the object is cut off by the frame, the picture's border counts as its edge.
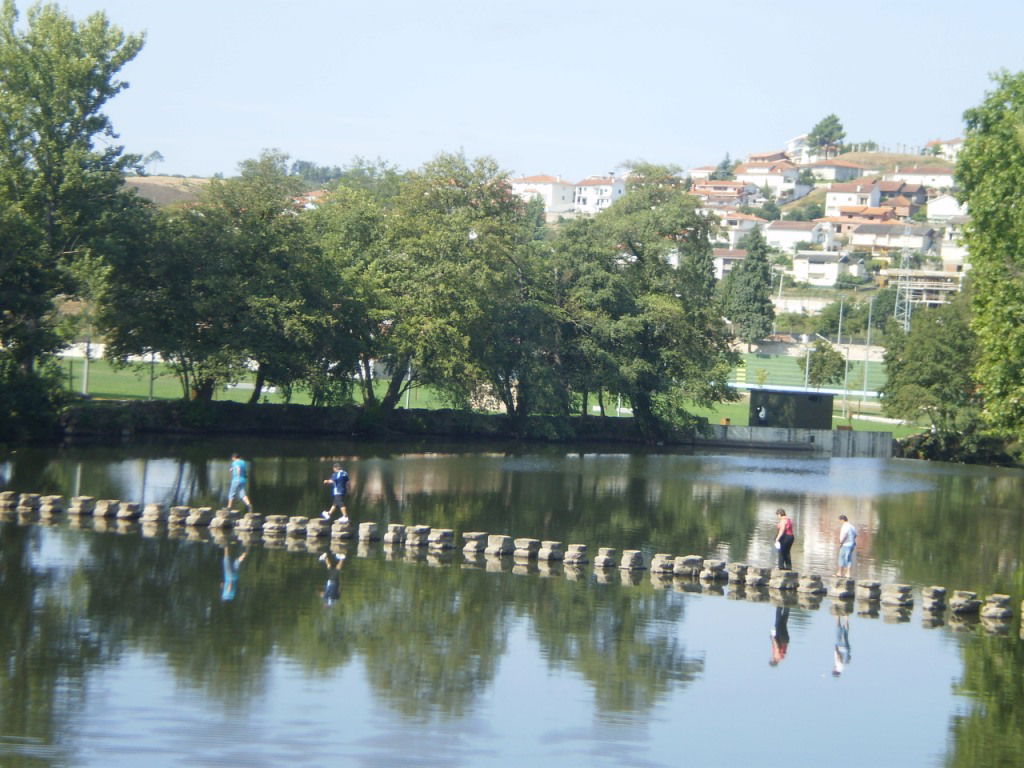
(558, 194)
(821, 268)
(595, 193)
(701, 173)
(799, 151)
(945, 207)
(952, 250)
(779, 176)
(950, 149)
(725, 259)
(837, 170)
(862, 192)
(734, 226)
(788, 235)
(888, 236)
(934, 176)
(724, 194)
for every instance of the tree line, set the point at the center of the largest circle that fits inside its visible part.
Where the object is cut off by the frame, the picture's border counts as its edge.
(435, 277)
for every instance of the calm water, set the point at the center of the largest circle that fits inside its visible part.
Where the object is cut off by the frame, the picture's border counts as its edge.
(119, 649)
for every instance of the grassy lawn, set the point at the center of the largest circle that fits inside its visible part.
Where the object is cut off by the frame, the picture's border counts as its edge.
(107, 382)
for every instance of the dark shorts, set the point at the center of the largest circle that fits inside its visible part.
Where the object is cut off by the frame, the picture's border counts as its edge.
(339, 499)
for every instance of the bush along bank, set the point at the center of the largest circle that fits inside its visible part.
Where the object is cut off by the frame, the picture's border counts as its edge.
(179, 417)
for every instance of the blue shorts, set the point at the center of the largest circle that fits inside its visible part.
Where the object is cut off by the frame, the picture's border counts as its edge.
(845, 556)
(236, 491)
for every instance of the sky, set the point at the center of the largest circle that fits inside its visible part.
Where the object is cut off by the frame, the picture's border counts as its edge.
(560, 87)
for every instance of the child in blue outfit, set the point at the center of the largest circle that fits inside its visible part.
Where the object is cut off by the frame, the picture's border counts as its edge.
(338, 481)
(239, 481)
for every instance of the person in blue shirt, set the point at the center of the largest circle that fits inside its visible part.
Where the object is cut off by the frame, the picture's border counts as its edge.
(239, 481)
(339, 482)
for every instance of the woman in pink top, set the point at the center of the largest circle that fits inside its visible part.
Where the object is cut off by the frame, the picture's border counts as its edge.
(784, 540)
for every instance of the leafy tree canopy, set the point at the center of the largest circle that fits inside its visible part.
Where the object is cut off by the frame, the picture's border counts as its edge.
(826, 135)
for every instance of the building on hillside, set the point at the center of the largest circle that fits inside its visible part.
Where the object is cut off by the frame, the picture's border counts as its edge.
(863, 191)
(777, 156)
(781, 177)
(914, 192)
(724, 194)
(886, 237)
(952, 248)
(789, 236)
(734, 226)
(595, 193)
(945, 207)
(820, 268)
(933, 176)
(928, 287)
(843, 226)
(866, 213)
(701, 173)
(799, 151)
(725, 259)
(557, 194)
(837, 170)
(949, 150)
(311, 200)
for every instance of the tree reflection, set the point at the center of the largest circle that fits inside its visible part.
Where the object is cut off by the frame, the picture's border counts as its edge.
(991, 734)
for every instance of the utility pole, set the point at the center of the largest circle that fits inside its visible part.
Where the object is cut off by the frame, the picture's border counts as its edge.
(867, 352)
(904, 305)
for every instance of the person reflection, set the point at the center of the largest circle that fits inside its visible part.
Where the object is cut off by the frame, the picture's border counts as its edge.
(780, 635)
(229, 584)
(332, 589)
(841, 653)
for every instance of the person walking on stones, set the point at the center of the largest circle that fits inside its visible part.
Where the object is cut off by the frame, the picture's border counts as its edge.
(239, 481)
(847, 543)
(332, 589)
(784, 540)
(339, 481)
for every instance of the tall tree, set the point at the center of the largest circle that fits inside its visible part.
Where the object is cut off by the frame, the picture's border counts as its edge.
(61, 197)
(661, 326)
(826, 135)
(990, 172)
(749, 304)
(929, 371)
(824, 365)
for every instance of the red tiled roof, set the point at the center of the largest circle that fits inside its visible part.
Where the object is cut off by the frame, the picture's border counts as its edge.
(540, 179)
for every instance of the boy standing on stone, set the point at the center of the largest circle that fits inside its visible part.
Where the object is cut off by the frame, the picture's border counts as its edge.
(338, 481)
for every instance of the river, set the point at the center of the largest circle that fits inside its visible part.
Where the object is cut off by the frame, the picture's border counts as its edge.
(121, 649)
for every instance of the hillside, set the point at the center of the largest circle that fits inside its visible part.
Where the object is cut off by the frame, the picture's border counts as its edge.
(167, 190)
(886, 162)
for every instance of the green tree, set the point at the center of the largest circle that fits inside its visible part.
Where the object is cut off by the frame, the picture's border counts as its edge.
(826, 365)
(929, 371)
(826, 135)
(61, 196)
(990, 172)
(657, 317)
(724, 171)
(749, 306)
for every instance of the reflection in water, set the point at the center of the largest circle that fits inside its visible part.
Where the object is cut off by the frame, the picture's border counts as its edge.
(841, 651)
(780, 635)
(429, 636)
